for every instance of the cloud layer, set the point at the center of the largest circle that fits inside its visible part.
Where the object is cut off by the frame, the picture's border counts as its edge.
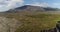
(8, 4)
(39, 4)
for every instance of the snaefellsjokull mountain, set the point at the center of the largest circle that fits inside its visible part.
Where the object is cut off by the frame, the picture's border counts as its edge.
(32, 9)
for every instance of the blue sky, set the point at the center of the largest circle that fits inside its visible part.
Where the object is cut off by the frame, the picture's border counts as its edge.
(9, 4)
(51, 3)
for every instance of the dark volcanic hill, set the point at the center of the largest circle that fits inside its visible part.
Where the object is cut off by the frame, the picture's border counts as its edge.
(32, 8)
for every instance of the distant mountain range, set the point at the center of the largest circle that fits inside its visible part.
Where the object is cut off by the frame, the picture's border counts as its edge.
(32, 8)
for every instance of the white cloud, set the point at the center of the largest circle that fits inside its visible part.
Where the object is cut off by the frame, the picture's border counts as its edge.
(36, 3)
(56, 5)
(39, 4)
(12, 3)
(8, 4)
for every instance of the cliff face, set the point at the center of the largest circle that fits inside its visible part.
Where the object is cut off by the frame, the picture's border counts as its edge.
(8, 25)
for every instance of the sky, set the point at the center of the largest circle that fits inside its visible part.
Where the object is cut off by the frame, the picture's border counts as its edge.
(5, 5)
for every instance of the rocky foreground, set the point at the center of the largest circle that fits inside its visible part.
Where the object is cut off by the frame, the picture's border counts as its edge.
(8, 25)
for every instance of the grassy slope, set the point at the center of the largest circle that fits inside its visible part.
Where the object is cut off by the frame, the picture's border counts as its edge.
(35, 22)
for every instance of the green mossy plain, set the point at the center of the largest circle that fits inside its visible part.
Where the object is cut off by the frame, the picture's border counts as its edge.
(35, 22)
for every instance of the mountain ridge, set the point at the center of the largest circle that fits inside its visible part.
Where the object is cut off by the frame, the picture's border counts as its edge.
(32, 8)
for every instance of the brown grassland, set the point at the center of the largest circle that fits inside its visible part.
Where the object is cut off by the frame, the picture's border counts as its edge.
(34, 22)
